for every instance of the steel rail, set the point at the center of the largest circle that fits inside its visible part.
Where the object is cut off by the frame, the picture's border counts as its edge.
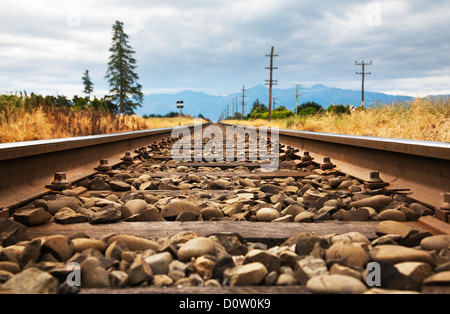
(27, 167)
(421, 166)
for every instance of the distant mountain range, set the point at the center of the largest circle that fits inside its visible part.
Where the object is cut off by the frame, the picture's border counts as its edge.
(212, 106)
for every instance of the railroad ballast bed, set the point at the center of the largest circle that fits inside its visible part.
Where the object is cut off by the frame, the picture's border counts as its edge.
(305, 227)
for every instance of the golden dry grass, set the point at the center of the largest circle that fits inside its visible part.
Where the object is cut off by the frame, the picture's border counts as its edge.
(20, 124)
(425, 119)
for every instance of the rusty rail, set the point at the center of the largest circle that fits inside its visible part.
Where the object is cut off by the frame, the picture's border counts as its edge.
(421, 166)
(27, 167)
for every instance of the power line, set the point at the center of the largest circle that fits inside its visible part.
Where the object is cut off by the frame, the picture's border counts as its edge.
(363, 73)
(271, 81)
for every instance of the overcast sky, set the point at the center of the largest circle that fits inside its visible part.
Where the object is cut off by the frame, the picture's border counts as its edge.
(217, 46)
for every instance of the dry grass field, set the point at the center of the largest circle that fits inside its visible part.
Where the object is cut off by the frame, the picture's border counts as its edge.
(426, 119)
(19, 124)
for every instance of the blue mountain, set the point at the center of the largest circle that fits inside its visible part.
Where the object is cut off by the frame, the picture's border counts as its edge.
(212, 106)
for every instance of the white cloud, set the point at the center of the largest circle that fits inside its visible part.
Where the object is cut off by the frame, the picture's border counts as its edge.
(220, 46)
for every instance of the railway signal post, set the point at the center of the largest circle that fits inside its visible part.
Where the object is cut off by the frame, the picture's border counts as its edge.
(180, 106)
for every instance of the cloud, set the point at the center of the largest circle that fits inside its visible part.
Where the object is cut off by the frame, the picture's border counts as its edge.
(218, 46)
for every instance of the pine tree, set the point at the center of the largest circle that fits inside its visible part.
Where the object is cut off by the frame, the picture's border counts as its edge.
(88, 85)
(120, 74)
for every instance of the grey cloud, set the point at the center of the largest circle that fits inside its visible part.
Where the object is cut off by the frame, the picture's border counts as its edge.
(220, 46)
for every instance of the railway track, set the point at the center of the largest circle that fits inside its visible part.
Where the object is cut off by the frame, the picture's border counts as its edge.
(218, 220)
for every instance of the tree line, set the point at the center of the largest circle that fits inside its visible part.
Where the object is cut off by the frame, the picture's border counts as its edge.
(310, 108)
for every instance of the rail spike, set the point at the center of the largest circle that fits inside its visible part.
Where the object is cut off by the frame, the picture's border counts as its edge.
(443, 212)
(375, 182)
(103, 166)
(60, 182)
(127, 158)
(327, 164)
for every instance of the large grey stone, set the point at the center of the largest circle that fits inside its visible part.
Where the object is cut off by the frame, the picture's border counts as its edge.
(438, 242)
(398, 254)
(31, 281)
(53, 206)
(337, 269)
(308, 268)
(305, 243)
(357, 214)
(271, 261)
(11, 232)
(159, 263)
(115, 249)
(149, 214)
(135, 243)
(267, 214)
(442, 279)
(93, 275)
(68, 216)
(204, 267)
(119, 186)
(335, 284)
(415, 270)
(305, 217)
(350, 254)
(106, 215)
(392, 214)
(59, 246)
(32, 217)
(377, 202)
(271, 189)
(246, 275)
(293, 209)
(31, 252)
(195, 248)
(11, 267)
(177, 270)
(393, 227)
(82, 244)
(118, 279)
(139, 272)
(136, 206)
(350, 237)
(173, 209)
(210, 213)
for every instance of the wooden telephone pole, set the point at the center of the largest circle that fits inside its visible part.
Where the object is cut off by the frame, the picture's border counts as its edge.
(297, 94)
(363, 73)
(233, 112)
(243, 102)
(271, 81)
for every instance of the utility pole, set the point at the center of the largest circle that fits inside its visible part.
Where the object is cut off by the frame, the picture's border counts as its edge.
(297, 91)
(271, 81)
(236, 106)
(243, 101)
(274, 103)
(233, 110)
(363, 73)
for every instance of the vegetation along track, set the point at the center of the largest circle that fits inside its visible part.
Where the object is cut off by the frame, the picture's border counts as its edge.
(145, 223)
